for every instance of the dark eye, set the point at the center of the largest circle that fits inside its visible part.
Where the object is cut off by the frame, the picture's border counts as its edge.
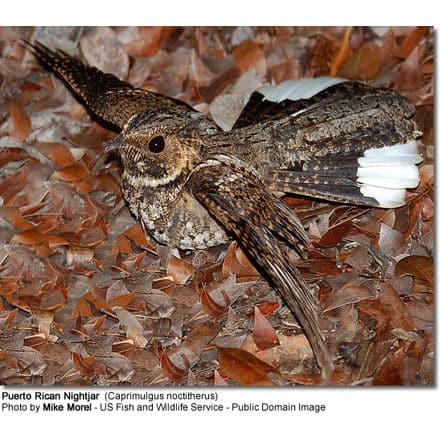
(156, 144)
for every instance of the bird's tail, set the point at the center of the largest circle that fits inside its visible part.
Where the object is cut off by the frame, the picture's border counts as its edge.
(374, 177)
(339, 140)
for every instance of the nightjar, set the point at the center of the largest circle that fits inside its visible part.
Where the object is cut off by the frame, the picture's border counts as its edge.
(192, 185)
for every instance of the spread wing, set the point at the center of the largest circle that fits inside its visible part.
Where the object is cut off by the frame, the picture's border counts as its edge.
(338, 140)
(263, 226)
(272, 102)
(106, 97)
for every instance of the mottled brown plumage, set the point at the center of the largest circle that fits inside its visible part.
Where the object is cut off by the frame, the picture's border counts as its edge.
(192, 185)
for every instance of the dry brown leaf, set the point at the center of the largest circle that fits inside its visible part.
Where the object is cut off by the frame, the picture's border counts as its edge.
(180, 270)
(320, 56)
(290, 354)
(128, 319)
(211, 307)
(58, 153)
(101, 48)
(21, 125)
(390, 241)
(244, 367)
(423, 314)
(364, 64)
(72, 173)
(267, 307)
(136, 336)
(376, 310)
(149, 44)
(218, 379)
(84, 364)
(335, 234)
(324, 266)
(13, 215)
(171, 370)
(290, 69)
(397, 309)
(264, 334)
(420, 268)
(411, 41)
(390, 371)
(350, 293)
(408, 77)
(343, 53)
(118, 295)
(197, 340)
(425, 206)
(247, 55)
(236, 263)
(133, 240)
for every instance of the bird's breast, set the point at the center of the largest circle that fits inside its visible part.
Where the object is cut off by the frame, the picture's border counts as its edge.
(171, 215)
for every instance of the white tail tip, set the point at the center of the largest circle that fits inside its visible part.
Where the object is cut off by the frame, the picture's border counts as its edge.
(385, 173)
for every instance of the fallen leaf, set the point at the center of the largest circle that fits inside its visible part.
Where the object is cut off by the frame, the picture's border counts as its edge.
(320, 55)
(13, 215)
(335, 234)
(267, 307)
(236, 262)
(159, 303)
(71, 173)
(423, 315)
(408, 77)
(376, 310)
(390, 241)
(244, 367)
(83, 364)
(136, 336)
(197, 340)
(289, 355)
(399, 313)
(324, 267)
(307, 379)
(218, 380)
(180, 270)
(264, 334)
(350, 293)
(133, 240)
(289, 69)
(174, 372)
(128, 319)
(211, 307)
(420, 268)
(343, 53)
(21, 125)
(390, 372)
(149, 44)
(364, 64)
(248, 54)
(101, 48)
(58, 153)
(411, 41)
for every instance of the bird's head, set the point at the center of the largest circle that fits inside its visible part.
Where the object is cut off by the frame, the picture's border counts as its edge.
(159, 147)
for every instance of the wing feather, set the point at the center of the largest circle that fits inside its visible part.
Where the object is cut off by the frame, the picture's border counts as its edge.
(106, 97)
(263, 227)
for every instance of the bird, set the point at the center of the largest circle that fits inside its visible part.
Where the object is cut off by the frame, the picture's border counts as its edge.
(192, 185)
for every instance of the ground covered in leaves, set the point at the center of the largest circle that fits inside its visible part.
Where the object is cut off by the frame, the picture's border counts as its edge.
(88, 299)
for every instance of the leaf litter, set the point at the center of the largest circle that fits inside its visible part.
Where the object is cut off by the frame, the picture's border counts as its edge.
(88, 299)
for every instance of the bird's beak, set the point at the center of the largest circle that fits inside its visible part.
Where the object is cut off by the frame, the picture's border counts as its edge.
(112, 145)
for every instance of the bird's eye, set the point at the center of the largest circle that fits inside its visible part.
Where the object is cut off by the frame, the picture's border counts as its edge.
(156, 144)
